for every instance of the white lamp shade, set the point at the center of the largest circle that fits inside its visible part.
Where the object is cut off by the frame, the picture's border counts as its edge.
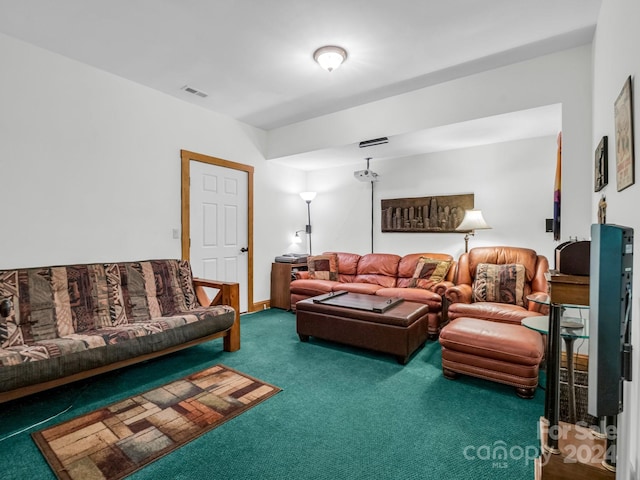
(330, 57)
(308, 196)
(296, 238)
(473, 220)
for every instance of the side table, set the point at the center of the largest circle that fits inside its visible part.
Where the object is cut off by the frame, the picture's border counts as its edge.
(569, 332)
(281, 274)
(561, 441)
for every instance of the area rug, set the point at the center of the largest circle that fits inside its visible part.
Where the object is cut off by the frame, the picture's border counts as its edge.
(112, 442)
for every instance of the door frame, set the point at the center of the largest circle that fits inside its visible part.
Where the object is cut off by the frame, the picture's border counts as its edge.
(185, 173)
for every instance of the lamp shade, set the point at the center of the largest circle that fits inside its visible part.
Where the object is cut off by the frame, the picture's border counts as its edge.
(308, 196)
(473, 220)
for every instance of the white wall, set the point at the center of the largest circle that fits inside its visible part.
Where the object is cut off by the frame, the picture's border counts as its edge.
(616, 56)
(512, 184)
(91, 169)
(90, 166)
(563, 77)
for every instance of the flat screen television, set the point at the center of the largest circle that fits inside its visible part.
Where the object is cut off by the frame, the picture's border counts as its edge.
(610, 283)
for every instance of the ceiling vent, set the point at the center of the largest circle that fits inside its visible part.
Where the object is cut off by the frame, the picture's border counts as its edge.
(195, 91)
(375, 141)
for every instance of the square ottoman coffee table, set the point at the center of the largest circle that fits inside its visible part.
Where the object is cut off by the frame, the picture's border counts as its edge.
(388, 325)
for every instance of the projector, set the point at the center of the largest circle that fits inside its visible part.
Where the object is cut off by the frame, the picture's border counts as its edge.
(366, 176)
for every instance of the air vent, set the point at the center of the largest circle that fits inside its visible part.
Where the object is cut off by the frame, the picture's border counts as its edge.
(375, 141)
(195, 91)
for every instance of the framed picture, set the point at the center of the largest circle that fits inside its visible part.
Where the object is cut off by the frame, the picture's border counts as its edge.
(624, 137)
(602, 166)
(436, 214)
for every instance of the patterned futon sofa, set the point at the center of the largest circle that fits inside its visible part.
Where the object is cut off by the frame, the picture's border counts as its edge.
(69, 322)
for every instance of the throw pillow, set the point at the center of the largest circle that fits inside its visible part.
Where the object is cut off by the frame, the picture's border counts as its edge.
(186, 282)
(499, 283)
(428, 272)
(323, 267)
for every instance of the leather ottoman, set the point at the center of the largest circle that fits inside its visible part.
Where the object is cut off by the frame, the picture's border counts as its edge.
(399, 331)
(505, 353)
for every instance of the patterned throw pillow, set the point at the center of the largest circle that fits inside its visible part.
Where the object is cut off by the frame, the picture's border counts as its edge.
(323, 267)
(186, 281)
(429, 271)
(499, 283)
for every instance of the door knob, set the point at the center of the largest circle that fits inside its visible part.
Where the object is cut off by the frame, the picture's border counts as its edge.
(244, 249)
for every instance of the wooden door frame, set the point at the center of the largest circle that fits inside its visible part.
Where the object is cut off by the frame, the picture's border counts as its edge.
(187, 157)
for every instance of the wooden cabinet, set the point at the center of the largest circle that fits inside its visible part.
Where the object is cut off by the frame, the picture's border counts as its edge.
(281, 275)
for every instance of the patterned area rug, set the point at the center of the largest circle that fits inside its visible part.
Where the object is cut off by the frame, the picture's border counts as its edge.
(112, 442)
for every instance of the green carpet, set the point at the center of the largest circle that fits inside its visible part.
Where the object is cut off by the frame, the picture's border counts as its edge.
(343, 414)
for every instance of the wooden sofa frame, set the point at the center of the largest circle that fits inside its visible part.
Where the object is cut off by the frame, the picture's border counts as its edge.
(228, 294)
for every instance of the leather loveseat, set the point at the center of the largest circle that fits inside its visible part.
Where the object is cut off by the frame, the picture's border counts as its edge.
(417, 277)
(61, 324)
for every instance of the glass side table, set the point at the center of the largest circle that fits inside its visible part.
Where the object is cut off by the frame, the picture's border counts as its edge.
(570, 329)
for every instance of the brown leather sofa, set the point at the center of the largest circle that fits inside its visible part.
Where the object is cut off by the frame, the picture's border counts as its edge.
(381, 274)
(485, 338)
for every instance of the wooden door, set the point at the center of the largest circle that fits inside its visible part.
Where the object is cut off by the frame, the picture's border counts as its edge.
(218, 218)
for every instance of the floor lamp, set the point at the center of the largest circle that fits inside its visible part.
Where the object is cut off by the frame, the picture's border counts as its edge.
(473, 220)
(308, 197)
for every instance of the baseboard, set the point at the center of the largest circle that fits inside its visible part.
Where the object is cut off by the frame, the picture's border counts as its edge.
(580, 361)
(257, 306)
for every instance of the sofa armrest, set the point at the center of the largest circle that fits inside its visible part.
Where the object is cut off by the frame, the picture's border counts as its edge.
(441, 287)
(459, 294)
(228, 294)
(540, 306)
(301, 275)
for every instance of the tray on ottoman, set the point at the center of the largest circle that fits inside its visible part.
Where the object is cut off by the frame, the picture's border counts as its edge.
(365, 321)
(360, 302)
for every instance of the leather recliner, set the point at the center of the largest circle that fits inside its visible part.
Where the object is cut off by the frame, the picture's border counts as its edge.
(485, 339)
(460, 298)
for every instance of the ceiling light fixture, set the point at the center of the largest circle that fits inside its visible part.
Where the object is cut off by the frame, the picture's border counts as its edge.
(330, 57)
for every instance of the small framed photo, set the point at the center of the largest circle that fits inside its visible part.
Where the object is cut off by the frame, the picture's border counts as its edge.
(601, 177)
(624, 137)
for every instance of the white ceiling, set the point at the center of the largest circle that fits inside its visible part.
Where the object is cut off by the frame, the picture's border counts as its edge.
(254, 57)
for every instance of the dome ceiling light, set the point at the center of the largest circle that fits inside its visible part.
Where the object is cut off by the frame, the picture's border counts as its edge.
(330, 57)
